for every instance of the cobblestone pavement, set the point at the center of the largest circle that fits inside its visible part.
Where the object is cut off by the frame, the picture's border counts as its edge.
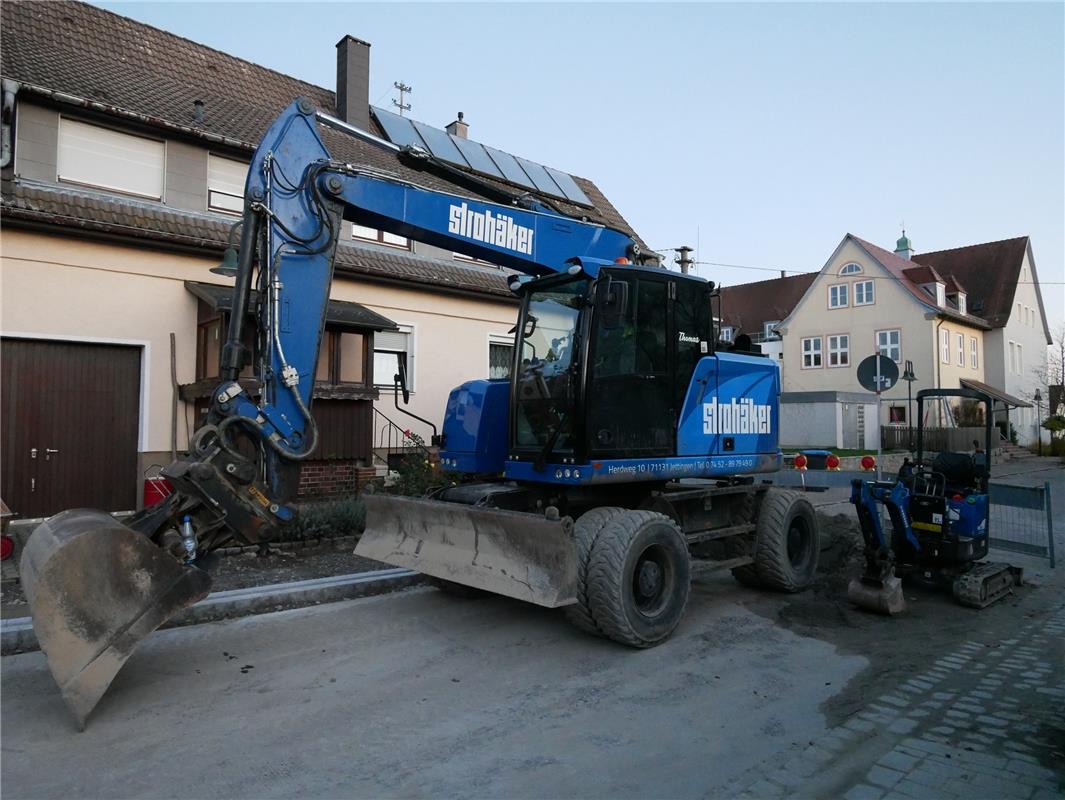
(952, 731)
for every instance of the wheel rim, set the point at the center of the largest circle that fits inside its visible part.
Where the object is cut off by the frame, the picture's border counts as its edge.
(652, 580)
(800, 542)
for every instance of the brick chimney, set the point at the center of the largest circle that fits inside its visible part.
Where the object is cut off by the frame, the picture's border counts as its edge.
(459, 128)
(353, 82)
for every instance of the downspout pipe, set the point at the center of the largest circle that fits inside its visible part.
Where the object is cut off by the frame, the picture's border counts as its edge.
(7, 146)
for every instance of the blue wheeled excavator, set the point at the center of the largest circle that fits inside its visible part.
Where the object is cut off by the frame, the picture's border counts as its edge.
(624, 443)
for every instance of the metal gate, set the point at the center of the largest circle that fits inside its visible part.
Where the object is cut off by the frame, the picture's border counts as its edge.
(1021, 519)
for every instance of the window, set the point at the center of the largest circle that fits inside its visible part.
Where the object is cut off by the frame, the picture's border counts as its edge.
(850, 269)
(768, 331)
(889, 343)
(225, 184)
(811, 353)
(95, 156)
(959, 348)
(962, 303)
(390, 349)
(472, 260)
(839, 350)
(837, 296)
(944, 346)
(863, 293)
(342, 358)
(974, 359)
(1020, 359)
(380, 237)
(726, 333)
(500, 355)
(897, 415)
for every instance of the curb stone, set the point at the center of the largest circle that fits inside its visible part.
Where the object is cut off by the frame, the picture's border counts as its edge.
(17, 635)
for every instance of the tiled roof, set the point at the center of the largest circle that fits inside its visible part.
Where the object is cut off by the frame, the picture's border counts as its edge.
(99, 213)
(748, 306)
(910, 278)
(990, 270)
(82, 55)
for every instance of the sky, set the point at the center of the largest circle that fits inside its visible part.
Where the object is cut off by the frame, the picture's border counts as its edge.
(760, 134)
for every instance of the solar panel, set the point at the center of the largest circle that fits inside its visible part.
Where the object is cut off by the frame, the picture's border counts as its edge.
(440, 144)
(569, 187)
(399, 129)
(477, 157)
(510, 167)
(540, 177)
(480, 158)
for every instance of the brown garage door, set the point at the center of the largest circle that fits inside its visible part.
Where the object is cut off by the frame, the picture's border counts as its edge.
(70, 413)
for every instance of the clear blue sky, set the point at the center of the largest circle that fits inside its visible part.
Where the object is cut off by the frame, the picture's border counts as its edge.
(762, 133)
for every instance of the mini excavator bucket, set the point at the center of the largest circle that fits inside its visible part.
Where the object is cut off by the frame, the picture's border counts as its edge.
(95, 589)
(880, 596)
(530, 557)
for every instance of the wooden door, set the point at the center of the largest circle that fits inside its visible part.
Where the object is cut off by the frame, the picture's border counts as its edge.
(70, 414)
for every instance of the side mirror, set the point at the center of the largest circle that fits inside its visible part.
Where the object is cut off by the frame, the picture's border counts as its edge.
(615, 303)
(401, 381)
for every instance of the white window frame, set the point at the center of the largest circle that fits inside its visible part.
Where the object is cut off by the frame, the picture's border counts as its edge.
(959, 348)
(225, 193)
(842, 293)
(1020, 359)
(499, 339)
(839, 348)
(410, 330)
(725, 333)
(868, 293)
(767, 329)
(812, 353)
(944, 346)
(885, 349)
(974, 356)
(71, 123)
(379, 237)
(846, 269)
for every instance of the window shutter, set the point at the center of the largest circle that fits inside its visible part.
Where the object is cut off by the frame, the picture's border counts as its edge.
(109, 159)
(390, 340)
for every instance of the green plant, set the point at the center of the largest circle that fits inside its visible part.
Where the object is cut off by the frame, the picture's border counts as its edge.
(415, 472)
(1055, 424)
(969, 414)
(329, 518)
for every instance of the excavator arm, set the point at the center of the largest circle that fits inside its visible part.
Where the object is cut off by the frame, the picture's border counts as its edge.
(96, 587)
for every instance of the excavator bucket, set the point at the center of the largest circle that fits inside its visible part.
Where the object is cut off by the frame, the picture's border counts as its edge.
(881, 596)
(95, 589)
(526, 556)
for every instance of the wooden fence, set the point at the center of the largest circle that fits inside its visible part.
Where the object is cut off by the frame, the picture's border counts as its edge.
(958, 440)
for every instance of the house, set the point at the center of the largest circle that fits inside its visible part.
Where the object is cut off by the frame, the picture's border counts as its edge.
(755, 310)
(125, 151)
(963, 317)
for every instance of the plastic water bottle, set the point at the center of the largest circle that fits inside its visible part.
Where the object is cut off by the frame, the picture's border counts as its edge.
(188, 538)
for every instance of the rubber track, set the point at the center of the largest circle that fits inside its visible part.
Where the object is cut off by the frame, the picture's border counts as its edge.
(771, 537)
(606, 577)
(586, 531)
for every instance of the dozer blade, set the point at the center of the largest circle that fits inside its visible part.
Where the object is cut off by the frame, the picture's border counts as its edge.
(883, 597)
(95, 589)
(525, 556)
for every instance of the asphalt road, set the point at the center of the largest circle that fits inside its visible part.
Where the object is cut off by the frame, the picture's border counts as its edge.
(420, 694)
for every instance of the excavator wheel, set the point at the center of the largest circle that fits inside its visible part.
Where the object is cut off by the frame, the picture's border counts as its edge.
(95, 589)
(787, 543)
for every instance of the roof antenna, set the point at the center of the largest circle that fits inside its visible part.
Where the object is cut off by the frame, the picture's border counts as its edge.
(403, 90)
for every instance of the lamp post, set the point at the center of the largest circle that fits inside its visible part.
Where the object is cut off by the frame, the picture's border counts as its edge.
(909, 377)
(1038, 414)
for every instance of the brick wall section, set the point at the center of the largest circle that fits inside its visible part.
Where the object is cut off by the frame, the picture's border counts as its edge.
(333, 478)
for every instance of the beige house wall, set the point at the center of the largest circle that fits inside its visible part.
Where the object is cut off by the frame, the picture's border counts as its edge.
(894, 308)
(64, 288)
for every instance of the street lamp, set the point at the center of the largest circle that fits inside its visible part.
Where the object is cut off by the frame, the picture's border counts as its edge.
(1038, 415)
(909, 377)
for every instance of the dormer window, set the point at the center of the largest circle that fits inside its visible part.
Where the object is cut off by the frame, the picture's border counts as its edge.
(851, 269)
(960, 299)
(726, 333)
(769, 329)
(941, 294)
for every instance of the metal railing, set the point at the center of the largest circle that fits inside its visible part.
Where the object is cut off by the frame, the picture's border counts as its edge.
(936, 440)
(392, 444)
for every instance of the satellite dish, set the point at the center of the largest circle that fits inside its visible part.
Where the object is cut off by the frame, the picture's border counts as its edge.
(867, 373)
